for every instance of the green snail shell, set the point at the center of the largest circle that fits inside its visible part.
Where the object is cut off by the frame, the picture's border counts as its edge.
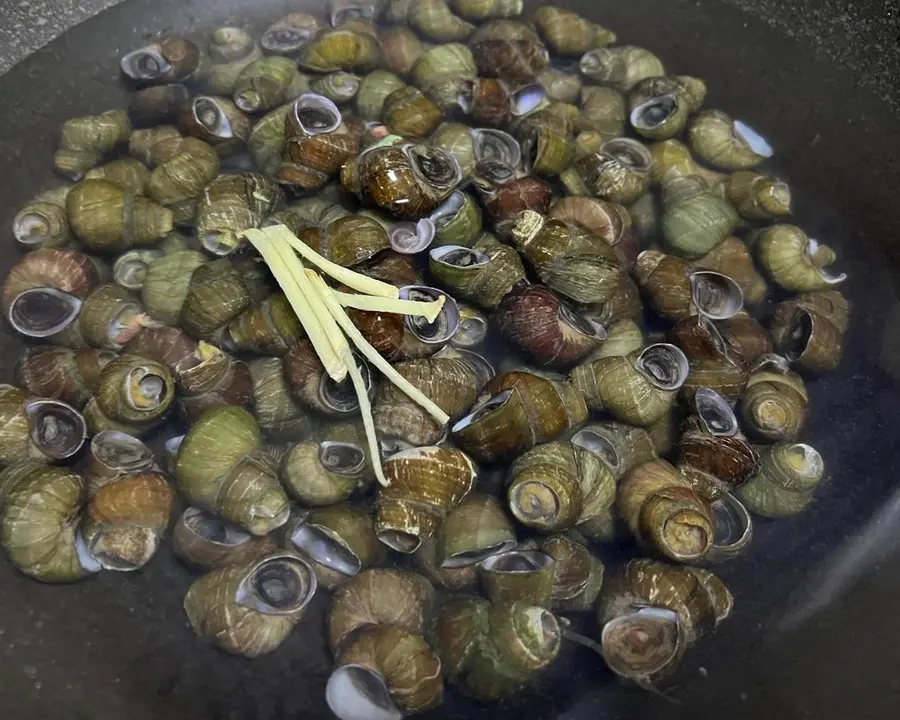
(279, 416)
(220, 467)
(166, 284)
(476, 529)
(783, 487)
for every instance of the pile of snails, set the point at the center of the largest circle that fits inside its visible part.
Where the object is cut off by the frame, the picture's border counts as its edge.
(628, 327)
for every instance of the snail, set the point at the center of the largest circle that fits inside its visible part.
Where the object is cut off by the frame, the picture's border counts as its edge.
(157, 105)
(567, 33)
(518, 576)
(215, 296)
(42, 222)
(567, 258)
(725, 143)
(794, 261)
(401, 49)
(266, 83)
(317, 142)
(473, 531)
(775, 402)
(621, 67)
(425, 484)
(231, 49)
(651, 612)
(169, 59)
(484, 274)
(695, 219)
(515, 411)
(231, 204)
(36, 429)
(217, 121)
(165, 345)
(250, 608)
(205, 541)
(619, 172)
(280, 417)
(789, 473)
(62, 373)
(604, 219)
(809, 329)
(313, 388)
(637, 388)
(85, 141)
(603, 112)
(333, 49)
(536, 320)
(178, 182)
(39, 511)
(287, 35)
(758, 197)
(127, 173)
(209, 378)
(221, 468)
(267, 328)
(491, 650)
(508, 49)
(577, 573)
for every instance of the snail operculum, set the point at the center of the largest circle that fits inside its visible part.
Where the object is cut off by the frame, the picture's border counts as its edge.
(716, 295)
(643, 644)
(410, 238)
(444, 326)
(316, 114)
(715, 413)
(55, 427)
(663, 365)
(282, 584)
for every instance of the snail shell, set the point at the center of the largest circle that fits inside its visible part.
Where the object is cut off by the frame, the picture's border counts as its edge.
(205, 541)
(280, 417)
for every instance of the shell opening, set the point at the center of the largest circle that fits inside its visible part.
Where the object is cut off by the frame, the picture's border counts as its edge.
(733, 527)
(489, 406)
(771, 362)
(120, 452)
(316, 114)
(798, 336)
(715, 413)
(580, 323)
(654, 112)
(752, 139)
(248, 100)
(628, 152)
(448, 210)
(85, 558)
(473, 329)
(527, 99)
(144, 390)
(543, 626)
(444, 326)
(391, 445)
(435, 166)
(593, 61)
(56, 428)
(821, 256)
(400, 541)
(473, 557)
(352, 11)
(277, 586)
(323, 547)
(642, 643)
(601, 447)
(145, 64)
(534, 503)
(221, 242)
(206, 112)
(490, 174)
(285, 40)
(496, 146)
(124, 549)
(31, 228)
(664, 366)
(213, 529)
(341, 457)
(171, 448)
(130, 269)
(340, 397)
(716, 296)
(43, 311)
(458, 256)
(126, 325)
(410, 238)
(518, 561)
(354, 692)
(804, 460)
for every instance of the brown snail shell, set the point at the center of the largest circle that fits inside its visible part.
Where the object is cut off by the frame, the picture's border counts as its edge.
(536, 320)
(342, 49)
(62, 373)
(408, 112)
(664, 513)
(515, 411)
(383, 598)
(163, 61)
(217, 121)
(505, 199)
(311, 385)
(206, 541)
(269, 328)
(425, 484)
(266, 83)
(401, 48)
(317, 142)
(567, 33)
(157, 105)
(126, 519)
(745, 337)
(606, 220)
(578, 574)
(384, 671)
(250, 608)
(328, 468)
(288, 34)
(619, 172)
(449, 383)
(348, 240)
(209, 377)
(156, 145)
(809, 330)
(732, 258)
(407, 180)
(165, 345)
(508, 49)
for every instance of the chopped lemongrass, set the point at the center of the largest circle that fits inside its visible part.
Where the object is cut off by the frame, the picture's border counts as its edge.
(427, 310)
(361, 283)
(300, 304)
(316, 303)
(372, 355)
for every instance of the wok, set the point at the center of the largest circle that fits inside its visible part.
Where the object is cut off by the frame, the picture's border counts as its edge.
(815, 625)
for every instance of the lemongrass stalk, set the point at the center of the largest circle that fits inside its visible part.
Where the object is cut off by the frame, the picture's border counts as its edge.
(428, 310)
(316, 303)
(311, 323)
(372, 355)
(361, 283)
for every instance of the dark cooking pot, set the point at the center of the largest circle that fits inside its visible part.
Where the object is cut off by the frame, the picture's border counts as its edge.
(815, 628)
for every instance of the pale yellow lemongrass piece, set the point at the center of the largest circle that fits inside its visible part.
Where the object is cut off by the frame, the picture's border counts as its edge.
(372, 355)
(311, 323)
(317, 287)
(355, 280)
(316, 303)
(427, 310)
